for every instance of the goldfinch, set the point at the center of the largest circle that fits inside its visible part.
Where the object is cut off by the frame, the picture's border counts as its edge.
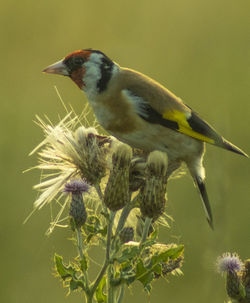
(142, 113)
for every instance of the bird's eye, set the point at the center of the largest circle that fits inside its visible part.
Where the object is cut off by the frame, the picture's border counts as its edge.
(78, 61)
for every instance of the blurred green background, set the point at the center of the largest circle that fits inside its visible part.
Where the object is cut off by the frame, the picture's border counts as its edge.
(201, 51)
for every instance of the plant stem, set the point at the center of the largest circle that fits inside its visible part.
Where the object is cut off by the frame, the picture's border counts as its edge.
(108, 248)
(80, 248)
(89, 298)
(121, 294)
(109, 234)
(110, 289)
(101, 274)
(107, 258)
(145, 230)
(79, 241)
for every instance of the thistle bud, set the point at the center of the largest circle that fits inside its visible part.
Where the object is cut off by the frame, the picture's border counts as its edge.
(246, 278)
(127, 234)
(231, 265)
(77, 208)
(116, 194)
(152, 195)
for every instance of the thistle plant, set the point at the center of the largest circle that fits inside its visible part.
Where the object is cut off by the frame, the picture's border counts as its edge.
(113, 198)
(237, 276)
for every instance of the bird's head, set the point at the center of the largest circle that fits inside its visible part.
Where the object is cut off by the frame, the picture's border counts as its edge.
(90, 69)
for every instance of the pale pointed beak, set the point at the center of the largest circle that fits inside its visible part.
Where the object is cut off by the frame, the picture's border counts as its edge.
(57, 68)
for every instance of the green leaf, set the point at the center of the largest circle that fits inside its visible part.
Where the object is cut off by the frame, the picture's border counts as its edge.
(101, 297)
(63, 270)
(127, 254)
(93, 227)
(176, 252)
(75, 284)
(144, 275)
(158, 269)
(173, 253)
(125, 273)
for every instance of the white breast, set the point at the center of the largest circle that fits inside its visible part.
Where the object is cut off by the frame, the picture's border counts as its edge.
(102, 113)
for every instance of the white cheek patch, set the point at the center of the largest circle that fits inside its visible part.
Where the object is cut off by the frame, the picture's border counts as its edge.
(138, 103)
(92, 75)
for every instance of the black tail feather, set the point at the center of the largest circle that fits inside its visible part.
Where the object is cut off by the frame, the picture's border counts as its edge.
(205, 200)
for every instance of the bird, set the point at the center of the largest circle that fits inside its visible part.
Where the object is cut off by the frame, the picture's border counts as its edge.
(142, 113)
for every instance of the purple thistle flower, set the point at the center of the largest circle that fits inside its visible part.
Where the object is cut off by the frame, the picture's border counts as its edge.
(76, 187)
(229, 263)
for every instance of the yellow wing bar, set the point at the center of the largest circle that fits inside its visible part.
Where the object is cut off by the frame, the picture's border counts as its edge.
(184, 127)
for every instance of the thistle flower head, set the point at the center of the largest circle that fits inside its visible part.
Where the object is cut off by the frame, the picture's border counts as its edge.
(229, 263)
(68, 154)
(69, 151)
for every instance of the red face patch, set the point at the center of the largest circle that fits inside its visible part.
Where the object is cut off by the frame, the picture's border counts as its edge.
(77, 77)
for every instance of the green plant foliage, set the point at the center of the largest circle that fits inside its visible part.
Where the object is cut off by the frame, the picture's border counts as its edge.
(94, 227)
(68, 273)
(144, 265)
(100, 295)
(130, 254)
(144, 275)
